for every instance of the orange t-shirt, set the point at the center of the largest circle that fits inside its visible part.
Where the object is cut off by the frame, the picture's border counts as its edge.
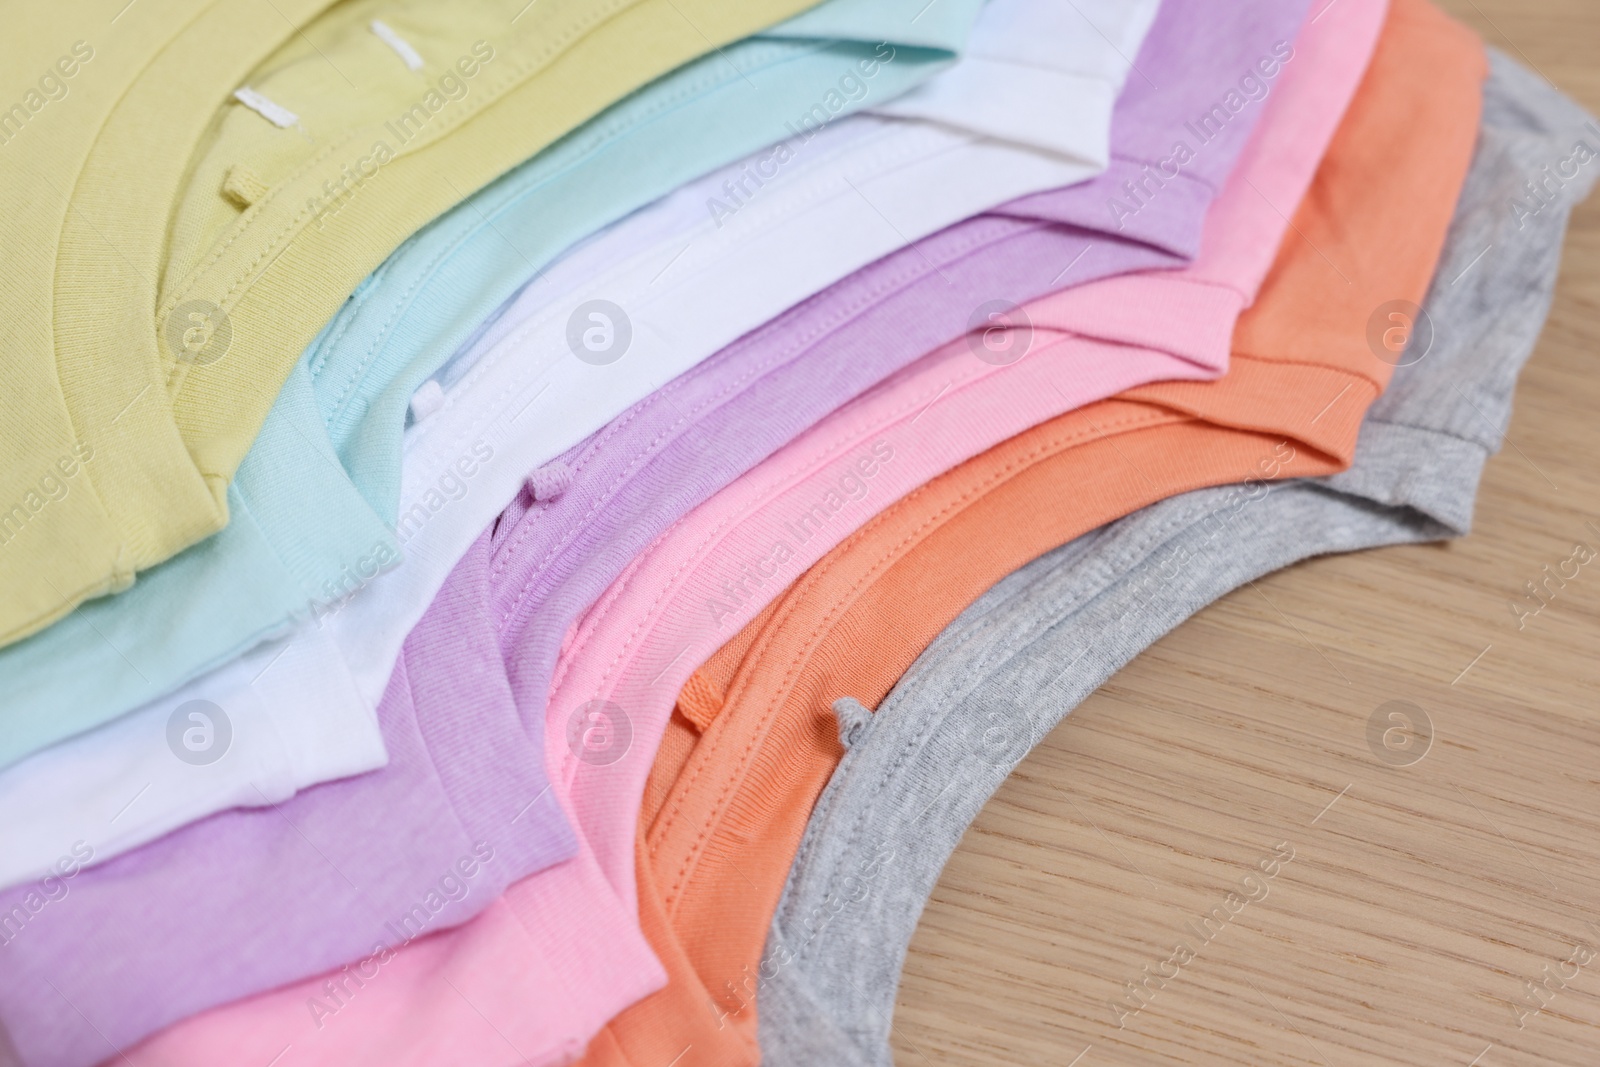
(753, 739)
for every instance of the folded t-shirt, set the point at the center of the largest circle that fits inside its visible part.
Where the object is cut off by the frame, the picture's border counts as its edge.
(860, 189)
(541, 955)
(449, 799)
(289, 707)
(298, 146)
(753, 738)
(1029, 650)
(953, 401)
(313, 505)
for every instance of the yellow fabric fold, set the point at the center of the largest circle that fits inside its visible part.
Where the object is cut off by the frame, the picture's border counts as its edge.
(190, 189)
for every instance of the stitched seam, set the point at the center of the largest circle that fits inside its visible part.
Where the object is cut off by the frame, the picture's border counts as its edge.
(695, 557)
(1052, 607)
(1045, 449)
(245, 221)
(600, 141)
(618, 590)
(1040, 619)
(503, 553)
(343, 321)
(577, 527)
(781, 212)
(843, 315)
(842, 440)
(585, 626)
(643, 454)
(492, 95)
(178, 368)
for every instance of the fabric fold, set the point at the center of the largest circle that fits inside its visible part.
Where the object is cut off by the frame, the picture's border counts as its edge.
(1031, 648)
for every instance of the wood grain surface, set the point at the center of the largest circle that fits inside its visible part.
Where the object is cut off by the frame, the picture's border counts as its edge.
(1423, 902)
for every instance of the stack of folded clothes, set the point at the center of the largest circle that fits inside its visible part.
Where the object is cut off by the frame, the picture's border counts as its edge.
(511, 516)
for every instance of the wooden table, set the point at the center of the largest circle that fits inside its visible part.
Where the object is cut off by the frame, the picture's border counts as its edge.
(1423, 902)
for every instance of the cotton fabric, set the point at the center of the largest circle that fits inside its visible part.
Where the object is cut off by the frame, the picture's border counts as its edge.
(210, 262)
(844, 202)
(753, 738)
(647, 570)
(294, 697)
(917, 771)
(528, 544)
(314, 501)
(452, 796)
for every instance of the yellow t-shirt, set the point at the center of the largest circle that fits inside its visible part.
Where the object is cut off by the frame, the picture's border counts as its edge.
(190, 188)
